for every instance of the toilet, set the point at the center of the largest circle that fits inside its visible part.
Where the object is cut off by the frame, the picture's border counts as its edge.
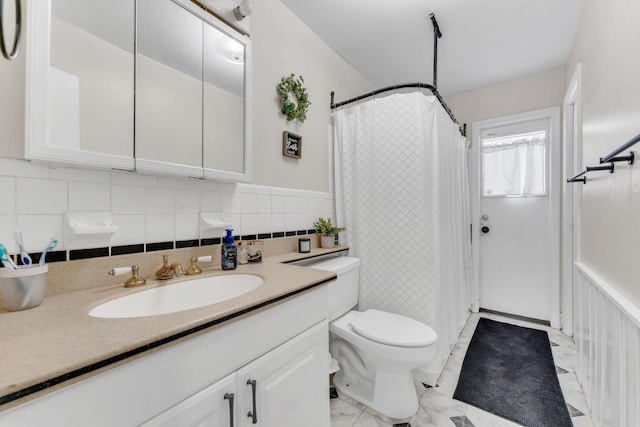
(375, 350)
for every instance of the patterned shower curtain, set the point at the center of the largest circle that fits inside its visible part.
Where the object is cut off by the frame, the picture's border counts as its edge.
(402, 192)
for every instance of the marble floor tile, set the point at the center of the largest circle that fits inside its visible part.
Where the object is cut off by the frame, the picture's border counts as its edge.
(439, 409)
(444, 405)
(369, 420)
(430, 418)
(574, 396)
(582, 422)
(480, 418)
(343, 413)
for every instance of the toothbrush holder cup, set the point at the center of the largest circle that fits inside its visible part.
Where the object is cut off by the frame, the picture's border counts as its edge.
(24, 287)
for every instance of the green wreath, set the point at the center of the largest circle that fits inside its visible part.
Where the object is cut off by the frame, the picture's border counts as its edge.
(293, 85)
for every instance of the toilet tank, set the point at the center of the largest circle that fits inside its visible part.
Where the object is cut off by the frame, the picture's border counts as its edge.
(343, 293)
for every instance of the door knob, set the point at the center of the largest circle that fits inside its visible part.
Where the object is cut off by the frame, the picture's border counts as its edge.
(485, 229)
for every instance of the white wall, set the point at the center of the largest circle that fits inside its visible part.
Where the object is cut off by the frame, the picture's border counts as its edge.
(282, 45)
(606, 43)
(528, 93)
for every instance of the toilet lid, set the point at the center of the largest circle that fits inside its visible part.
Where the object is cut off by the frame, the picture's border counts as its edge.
(393, 329)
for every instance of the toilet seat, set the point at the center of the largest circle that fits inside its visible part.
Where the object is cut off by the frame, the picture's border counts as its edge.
(393, 329)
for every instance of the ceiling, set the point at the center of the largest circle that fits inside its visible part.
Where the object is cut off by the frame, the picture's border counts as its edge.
(484, 41)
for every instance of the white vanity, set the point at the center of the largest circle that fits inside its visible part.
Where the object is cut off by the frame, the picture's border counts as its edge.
(265, 364)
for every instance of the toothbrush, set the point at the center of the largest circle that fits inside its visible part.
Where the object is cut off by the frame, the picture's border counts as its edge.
(6, 260)
(24, 256)
(52, 245)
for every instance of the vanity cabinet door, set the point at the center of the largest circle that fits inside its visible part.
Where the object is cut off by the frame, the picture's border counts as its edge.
(79, 85)
(214, 406)
(168, 89)
(291, 384)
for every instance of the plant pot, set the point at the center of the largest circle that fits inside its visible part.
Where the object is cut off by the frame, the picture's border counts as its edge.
(327, 242)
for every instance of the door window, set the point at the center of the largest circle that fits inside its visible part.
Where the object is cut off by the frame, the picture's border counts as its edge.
(514, 165)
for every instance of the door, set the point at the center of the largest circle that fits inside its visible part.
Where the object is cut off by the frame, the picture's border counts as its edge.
(289, 385)
(517, 242)
(212, 407)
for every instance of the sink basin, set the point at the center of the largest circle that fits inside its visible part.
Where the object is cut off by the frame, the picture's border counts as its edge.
(179, 296)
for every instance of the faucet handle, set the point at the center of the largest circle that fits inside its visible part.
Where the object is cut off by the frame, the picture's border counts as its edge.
(193, 268)
(134, 280)
(177, 269)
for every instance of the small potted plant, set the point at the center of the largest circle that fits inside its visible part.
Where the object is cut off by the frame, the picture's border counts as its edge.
(327, 232)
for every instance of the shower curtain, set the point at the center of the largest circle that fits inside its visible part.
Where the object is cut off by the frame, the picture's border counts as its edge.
(402, 193)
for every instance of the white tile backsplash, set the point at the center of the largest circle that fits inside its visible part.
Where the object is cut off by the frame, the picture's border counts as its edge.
(302, 222)
(160, 200)
(186, 227)
(146, 209)
(127, 199)
(248, 203)
(278, 204)
(159, 228)
(264, 203)
(23, 169)
(7, 225)
(89, 196)
(249, 223)
(277, 223)
(231, 203)
(178, 183)
(132, 178)
(37, 231)
(131, 230)
(41, 196)
(290, 221)
(264, 223)
(291, 205)
(211, 201)
(187, 202)
(8, 191)
(84, 175)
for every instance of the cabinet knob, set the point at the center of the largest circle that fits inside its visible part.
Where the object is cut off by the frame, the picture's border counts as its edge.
(253, 414)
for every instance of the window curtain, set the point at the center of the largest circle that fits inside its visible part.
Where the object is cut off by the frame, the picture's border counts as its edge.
(514, 166)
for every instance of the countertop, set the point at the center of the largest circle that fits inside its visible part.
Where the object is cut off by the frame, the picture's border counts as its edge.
(58, 341)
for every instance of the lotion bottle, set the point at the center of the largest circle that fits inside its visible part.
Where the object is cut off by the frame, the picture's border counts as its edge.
(229, 252)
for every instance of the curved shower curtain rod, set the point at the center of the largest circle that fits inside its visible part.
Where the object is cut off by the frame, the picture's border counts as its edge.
(433, 88)
(463, 128)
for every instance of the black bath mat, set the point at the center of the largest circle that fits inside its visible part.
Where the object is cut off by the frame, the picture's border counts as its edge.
(508, 370)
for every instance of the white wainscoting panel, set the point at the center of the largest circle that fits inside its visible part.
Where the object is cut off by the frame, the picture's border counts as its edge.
(607, 335)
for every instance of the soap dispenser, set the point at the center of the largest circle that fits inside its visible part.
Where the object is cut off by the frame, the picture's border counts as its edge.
(229, 252)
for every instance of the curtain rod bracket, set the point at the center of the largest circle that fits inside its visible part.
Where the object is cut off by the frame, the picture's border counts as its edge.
(436, 27)
(629, 159)
(436, 35)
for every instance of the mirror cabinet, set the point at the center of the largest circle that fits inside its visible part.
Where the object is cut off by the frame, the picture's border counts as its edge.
(156, 86)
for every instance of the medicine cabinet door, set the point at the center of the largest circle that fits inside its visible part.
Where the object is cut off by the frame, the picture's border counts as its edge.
(226, 145)
(80, 76)
(168, 89)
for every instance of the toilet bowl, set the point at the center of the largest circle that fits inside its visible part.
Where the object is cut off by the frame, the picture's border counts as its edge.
(376, 350)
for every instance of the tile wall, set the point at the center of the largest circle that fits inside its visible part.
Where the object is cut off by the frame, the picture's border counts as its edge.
(149, 210)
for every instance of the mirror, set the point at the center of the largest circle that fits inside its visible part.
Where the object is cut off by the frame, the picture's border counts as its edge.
(91, 77)
(223, 138)
(169, 87)
(190, 93)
